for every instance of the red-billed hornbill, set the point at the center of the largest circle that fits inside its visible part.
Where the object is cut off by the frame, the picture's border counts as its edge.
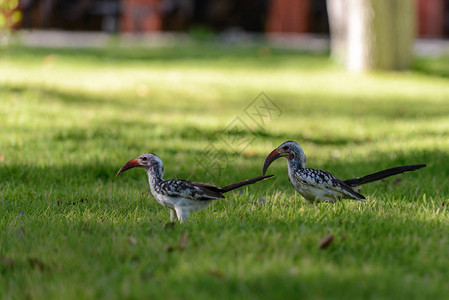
(180, 196)
(318, 185)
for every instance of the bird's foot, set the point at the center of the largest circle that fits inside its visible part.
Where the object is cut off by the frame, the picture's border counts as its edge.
(169, 225)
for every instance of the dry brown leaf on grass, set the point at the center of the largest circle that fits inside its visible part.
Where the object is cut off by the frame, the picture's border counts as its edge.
(216, 273)
(131, 240)
(396, 181)
(325, 242)
(250, 153)
(181, 244)
(183, 240)
(7, 262)
(36, 263)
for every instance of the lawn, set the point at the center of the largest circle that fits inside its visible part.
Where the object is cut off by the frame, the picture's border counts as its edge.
(70, 229)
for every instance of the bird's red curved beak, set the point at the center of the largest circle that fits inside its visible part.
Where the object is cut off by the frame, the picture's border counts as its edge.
(275, 154)
(129, 165)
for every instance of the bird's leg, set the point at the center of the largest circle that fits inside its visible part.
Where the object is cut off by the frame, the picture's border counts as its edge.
(172, 215)
(314, 203)
(183, 214)
(311, 202)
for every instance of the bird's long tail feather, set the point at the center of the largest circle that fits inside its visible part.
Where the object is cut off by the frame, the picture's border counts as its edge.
(243, 183)
(382, 174)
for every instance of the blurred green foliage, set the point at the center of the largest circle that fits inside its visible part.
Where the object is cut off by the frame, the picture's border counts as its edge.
(10, 14)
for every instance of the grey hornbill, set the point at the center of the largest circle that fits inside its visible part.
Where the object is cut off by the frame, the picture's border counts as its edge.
(180, 196)
(318, 185)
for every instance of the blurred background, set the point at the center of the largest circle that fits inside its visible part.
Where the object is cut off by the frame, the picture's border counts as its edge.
(393, 25)
(143, 16)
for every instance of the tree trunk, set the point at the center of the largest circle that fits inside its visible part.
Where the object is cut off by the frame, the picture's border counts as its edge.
(338, 28)
(372, 34)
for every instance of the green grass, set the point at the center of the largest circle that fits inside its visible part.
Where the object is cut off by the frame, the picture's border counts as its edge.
(69, 229)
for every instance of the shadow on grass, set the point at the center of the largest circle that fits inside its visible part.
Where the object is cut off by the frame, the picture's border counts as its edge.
(395, 110)
(70, 97)
(438, 67)
(91, 174)
(375, 284)
(209, 53)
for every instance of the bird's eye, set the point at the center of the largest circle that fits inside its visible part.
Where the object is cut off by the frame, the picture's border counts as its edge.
(285, 148)
(144, 158)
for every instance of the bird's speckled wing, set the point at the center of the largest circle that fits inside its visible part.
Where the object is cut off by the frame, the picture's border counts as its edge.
(324, 180)
(192, 190)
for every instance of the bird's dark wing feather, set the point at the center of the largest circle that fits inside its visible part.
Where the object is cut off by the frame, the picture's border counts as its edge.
(348, 189)
(203, 191)
(192, 190)
(382, 174)
(243, 183)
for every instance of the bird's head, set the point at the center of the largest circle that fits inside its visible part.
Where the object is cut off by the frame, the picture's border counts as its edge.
(151, 162)
(289, 150)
